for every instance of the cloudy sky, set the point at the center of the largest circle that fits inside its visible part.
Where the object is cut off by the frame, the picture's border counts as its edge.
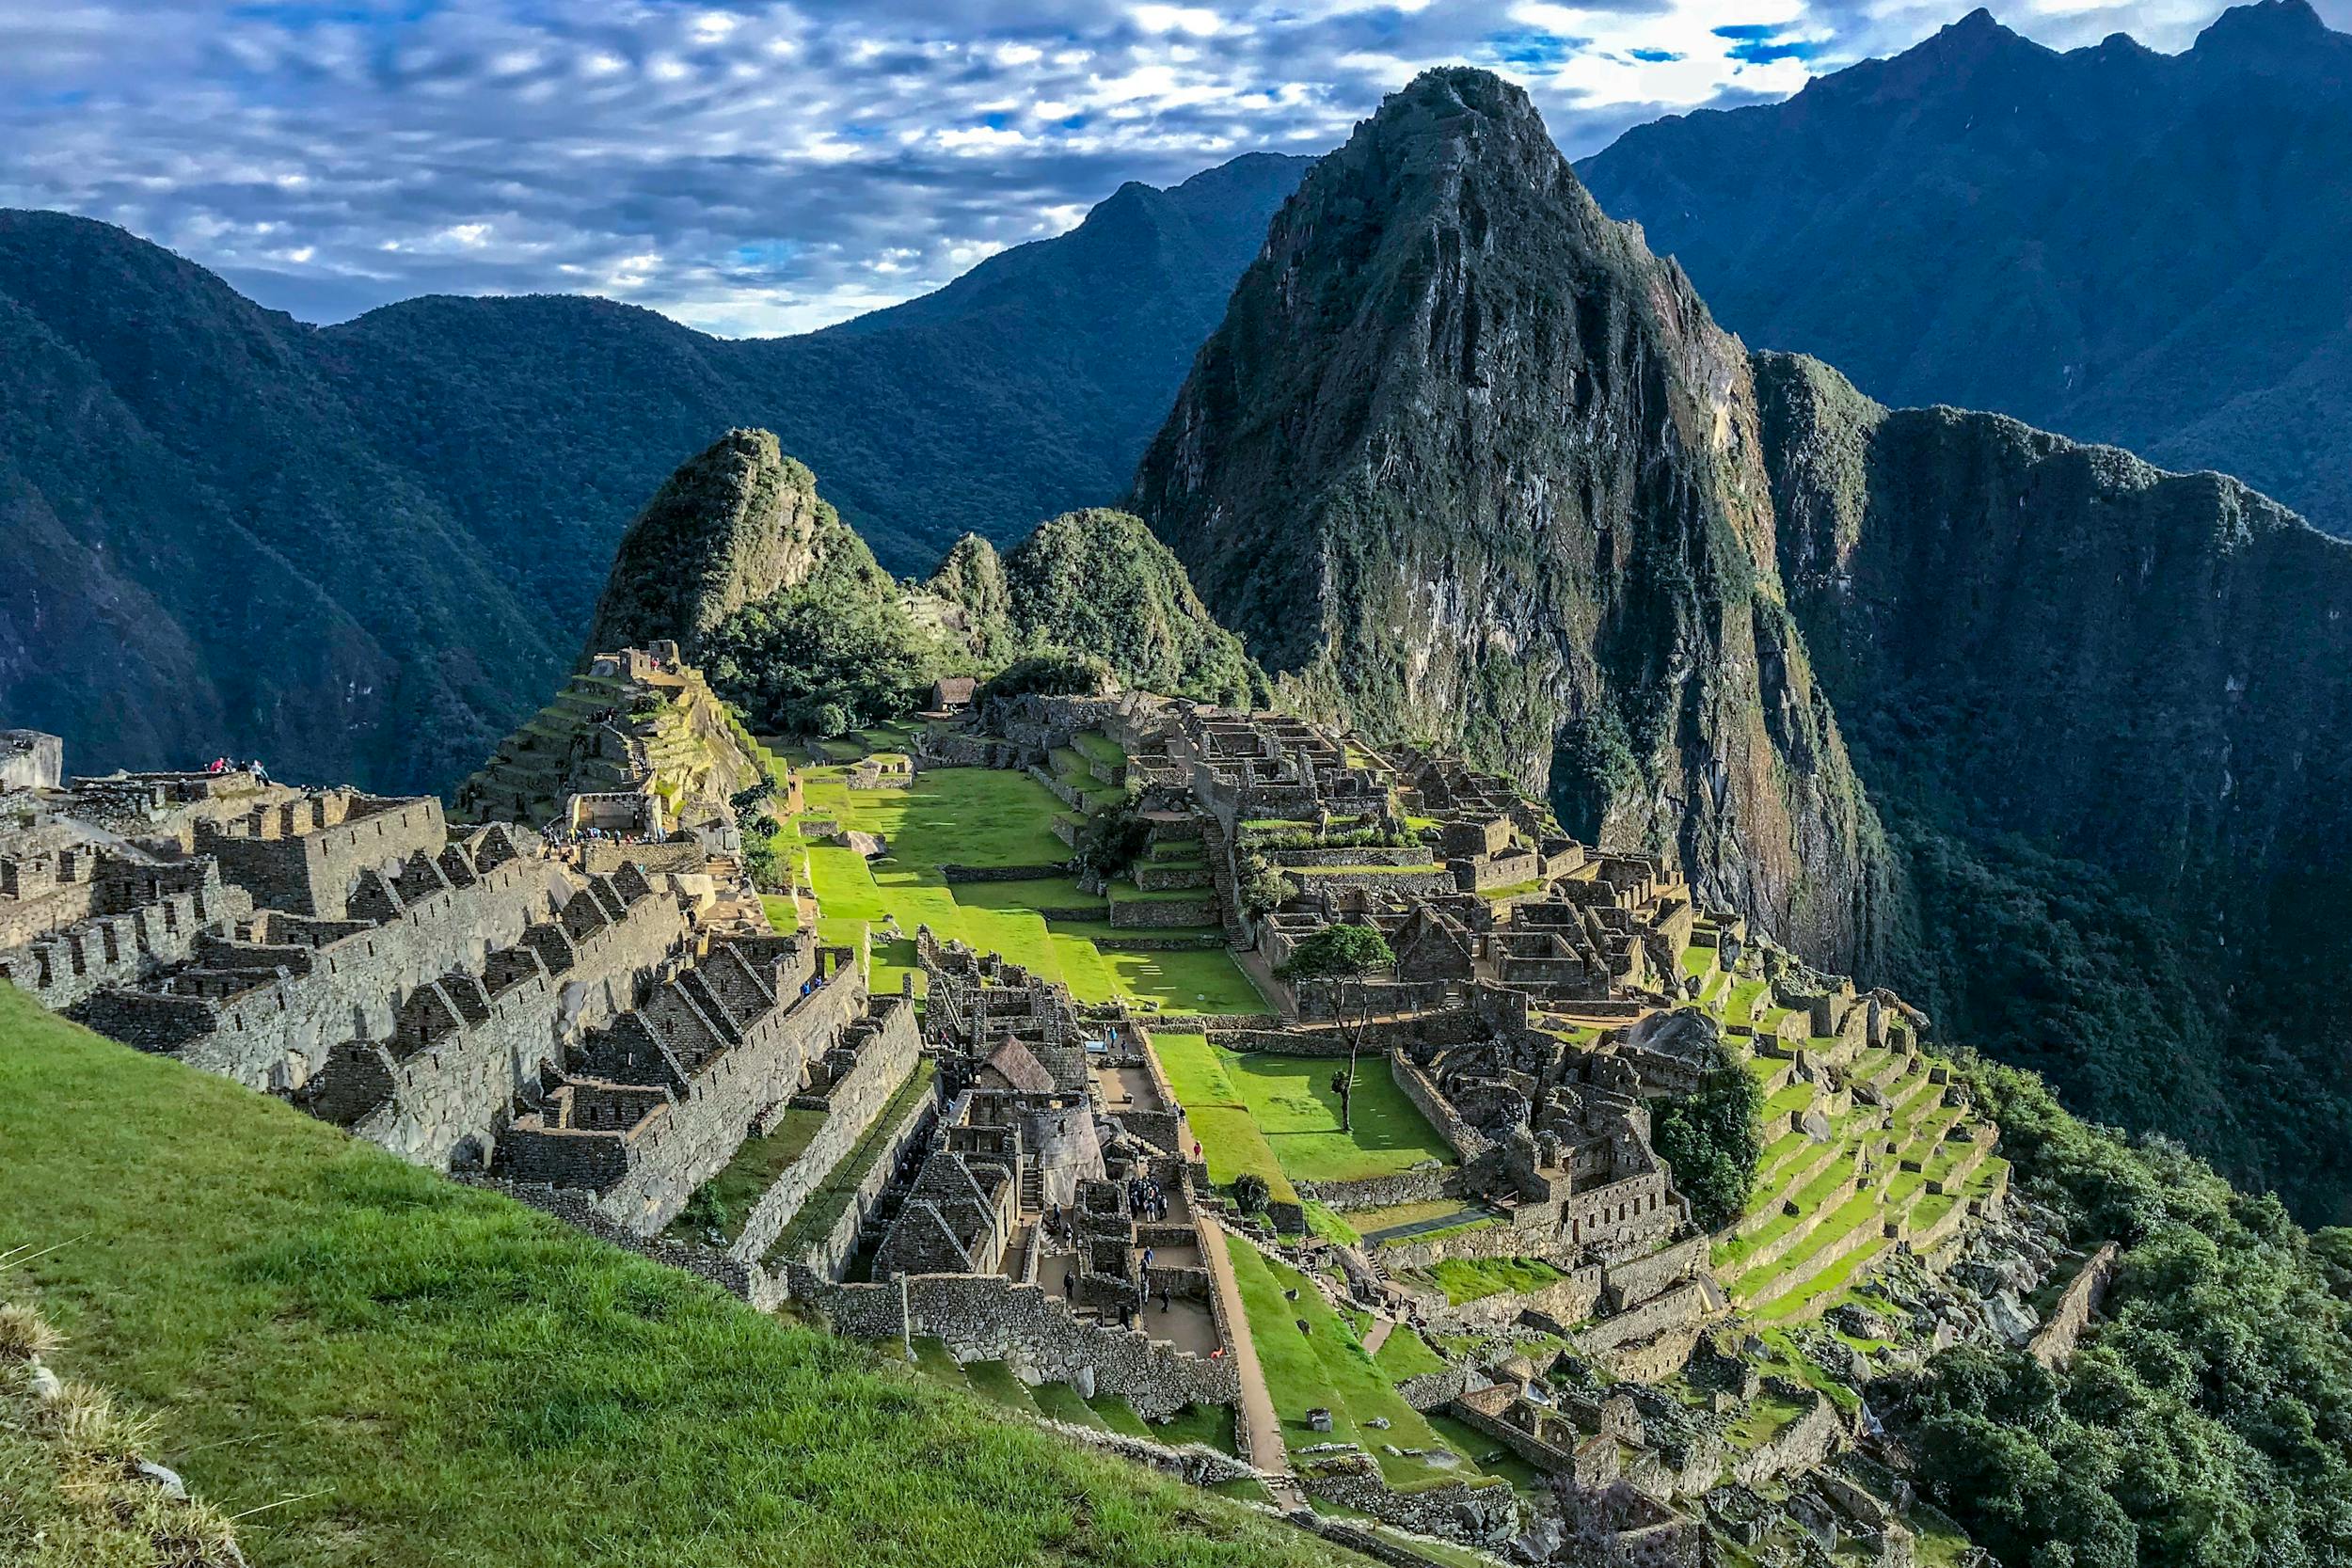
(763, 167)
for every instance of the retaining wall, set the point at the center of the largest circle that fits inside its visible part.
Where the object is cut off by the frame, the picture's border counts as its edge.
(990, 1318)
(881, 1069)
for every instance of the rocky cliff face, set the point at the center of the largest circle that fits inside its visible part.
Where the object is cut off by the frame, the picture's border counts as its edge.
(736, 524)
(1464, 463)
(2117, 244)
(2110, 710)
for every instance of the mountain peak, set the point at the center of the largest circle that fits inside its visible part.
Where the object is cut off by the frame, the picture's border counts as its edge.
(2265, 28)
(1977, 35)
(736, 523)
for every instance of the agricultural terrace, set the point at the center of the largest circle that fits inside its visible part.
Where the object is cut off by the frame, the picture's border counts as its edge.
(1897, 1165)
(994, 818)
(369, 1363)
(1279, 1115)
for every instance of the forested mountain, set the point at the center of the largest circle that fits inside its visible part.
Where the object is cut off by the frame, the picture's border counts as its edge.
(1465, 461)
(2106, 713)
(2112, 242)
(364, 551)
(753, 572)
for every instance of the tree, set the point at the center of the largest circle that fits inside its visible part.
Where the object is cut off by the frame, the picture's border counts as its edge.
(1345, 954)
(1250, 1192)
(1710, 1137)
(829, 655)
(1262, 886)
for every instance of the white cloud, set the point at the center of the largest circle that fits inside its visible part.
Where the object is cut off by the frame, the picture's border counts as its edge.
(771, 165)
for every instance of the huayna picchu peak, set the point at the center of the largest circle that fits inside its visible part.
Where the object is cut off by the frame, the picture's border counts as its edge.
(1557, 944)
(1466, 464)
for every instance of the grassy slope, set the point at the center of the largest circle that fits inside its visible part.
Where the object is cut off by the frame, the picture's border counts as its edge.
(438, 1376)
(1327, 1368)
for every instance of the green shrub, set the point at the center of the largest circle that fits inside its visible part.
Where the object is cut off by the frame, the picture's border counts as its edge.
(1712, 1138)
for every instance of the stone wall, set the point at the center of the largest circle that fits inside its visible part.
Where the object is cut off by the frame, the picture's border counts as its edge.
(1421, 883)
(1467, 1142)
(2054, 1343)
(853, 1102)
(30, 760)
(1413, 855)
(990, 1318)
(951, 873)
(1492, 1241)
(1639, 1278)
(275, 1036)
(1679, 1307)
(1802, 1445)
(448, 1101)
(311, 866)
(1384, 1192)
(678, 1151)
(182, 904)
(1478, 1412)
(1130, 915)
(1429, 1390)
(1509, 868)
(1478, 1516)
(1566, 1302)
(819, 1262)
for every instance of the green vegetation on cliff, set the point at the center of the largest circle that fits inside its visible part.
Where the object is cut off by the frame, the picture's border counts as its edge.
(742, 562)
(2208, 1418)
(370, 1363)
(1099, 584)
(2108, 712)
(736, 525)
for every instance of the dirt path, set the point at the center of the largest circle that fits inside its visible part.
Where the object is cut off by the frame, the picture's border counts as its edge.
(1267, 1451)
(1377, 1335)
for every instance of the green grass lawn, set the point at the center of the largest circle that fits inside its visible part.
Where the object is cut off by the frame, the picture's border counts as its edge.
(1257, 1106)
(1465, 1280)
(409, 1373)
(983, 816)
(1405, 1353)
(1292, 1099)
(1229, 1135)
(1327, 1368)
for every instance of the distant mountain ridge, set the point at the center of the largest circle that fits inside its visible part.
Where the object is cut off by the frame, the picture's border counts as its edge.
(365, 551)
(2111, 242)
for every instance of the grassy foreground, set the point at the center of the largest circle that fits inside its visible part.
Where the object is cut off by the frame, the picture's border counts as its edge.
(398, 1370)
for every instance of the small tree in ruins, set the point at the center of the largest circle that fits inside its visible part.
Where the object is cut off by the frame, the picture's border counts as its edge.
(1347, 955)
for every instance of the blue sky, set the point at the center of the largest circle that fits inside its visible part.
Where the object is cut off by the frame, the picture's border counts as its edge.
(761, 168)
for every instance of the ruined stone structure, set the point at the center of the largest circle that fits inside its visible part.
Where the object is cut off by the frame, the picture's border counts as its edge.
(30, 760)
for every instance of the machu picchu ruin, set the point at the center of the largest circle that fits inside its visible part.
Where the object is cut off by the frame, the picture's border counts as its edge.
(1351, 889)
(976, 1110)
